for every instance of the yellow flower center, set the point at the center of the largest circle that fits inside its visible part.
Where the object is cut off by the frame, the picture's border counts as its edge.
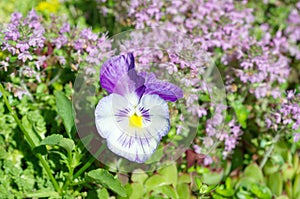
(136, 121)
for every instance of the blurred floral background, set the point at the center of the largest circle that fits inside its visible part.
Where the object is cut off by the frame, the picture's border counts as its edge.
(254, 44)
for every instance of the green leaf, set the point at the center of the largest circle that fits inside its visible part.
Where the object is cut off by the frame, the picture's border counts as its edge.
(228, 192)
(3, 153)
(289, 189)
(275, 183)
(212, 178)
(282, 197)
(59, 140)
(245, 182)
(29, 128)
(261, 191)
(57, 86)
(296, 186)
(280, 150)
(184, 178)
(65, 110)
(198, 182)
(106, 179)
(137, 190)
(241, 112)
(228, 183)
(225, 192)
(205, 98)
(270, 167)
(41, 88)
(52, 140)
(242, 194)
(139, 175)
(169, 173)
(43, 194)
(253, 171)
(296, 160)
(204, 189)
(168, 191)
(67, 144)
(277, 158)
(288, 172)
(102, 193)
(183, 191)
(155, 181)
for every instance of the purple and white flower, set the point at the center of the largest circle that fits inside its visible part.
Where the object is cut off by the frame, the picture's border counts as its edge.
(135, 116)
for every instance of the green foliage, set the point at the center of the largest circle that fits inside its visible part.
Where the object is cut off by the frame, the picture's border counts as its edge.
(107, 180)
(241, 111)
(65, 110)
(59, 140)
(167, 183)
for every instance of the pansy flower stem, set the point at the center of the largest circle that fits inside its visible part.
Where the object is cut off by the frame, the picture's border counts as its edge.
(30, 140)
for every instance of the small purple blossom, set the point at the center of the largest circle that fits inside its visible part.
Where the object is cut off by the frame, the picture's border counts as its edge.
(40, 62)
(37, 39)
(22, 46)
(197, 149)
(88, 34)
(207, 160)
(60, 41)
(20, 92)
(12, 33)
(4, 64)
(15, 18)
(24, 56)
(290, 94)
(29, 72)
(296, 137)
(33, 20)
(65, 28)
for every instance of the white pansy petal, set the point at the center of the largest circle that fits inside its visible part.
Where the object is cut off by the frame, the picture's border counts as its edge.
(132, 98)
(104, 117)
(159, 127)
(159, 124)
(133, 143)
(105, 114)
(135, 149)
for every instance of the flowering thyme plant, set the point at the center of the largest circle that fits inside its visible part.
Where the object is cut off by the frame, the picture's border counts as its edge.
(135, 116)
(42, 50)
(287, 116)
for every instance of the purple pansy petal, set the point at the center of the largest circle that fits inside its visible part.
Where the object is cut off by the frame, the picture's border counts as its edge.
(165, 90)
(139, 87)
(115, 68)
(134, 83)
(124, 86)
(120, 69)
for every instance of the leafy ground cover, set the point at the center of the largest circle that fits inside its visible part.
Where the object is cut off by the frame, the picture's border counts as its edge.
(254, 44)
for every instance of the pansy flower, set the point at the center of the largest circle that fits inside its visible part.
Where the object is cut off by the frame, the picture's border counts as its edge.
(134, 116)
